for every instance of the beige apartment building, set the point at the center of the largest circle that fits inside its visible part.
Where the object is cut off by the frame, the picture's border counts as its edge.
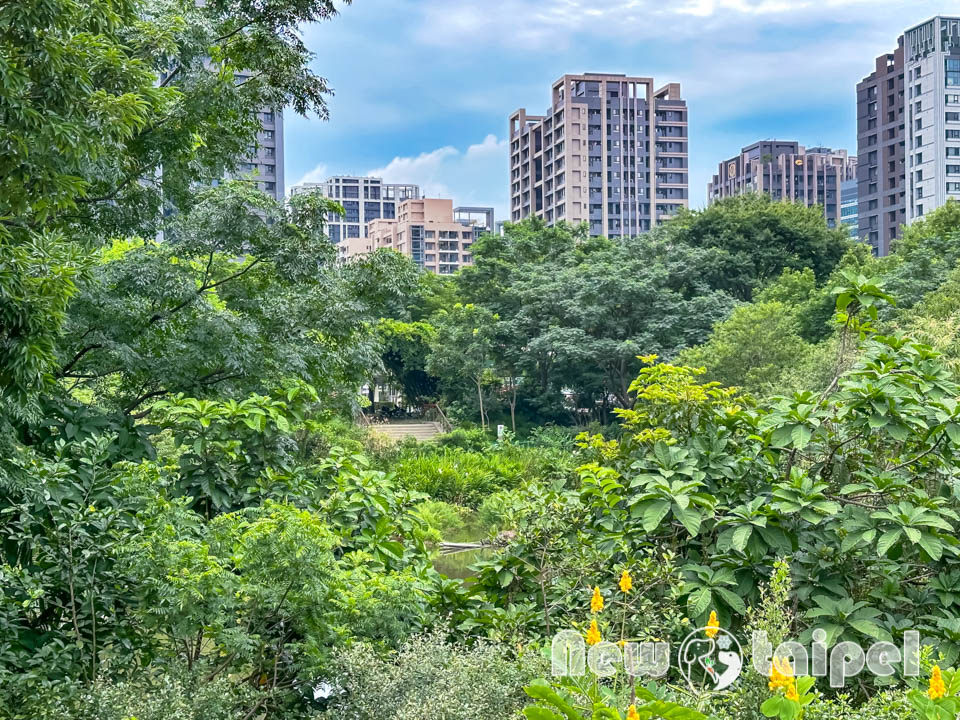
(786, 170)
(611, 150)
(424, 230)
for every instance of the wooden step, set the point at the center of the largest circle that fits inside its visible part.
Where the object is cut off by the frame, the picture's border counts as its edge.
(399, 430)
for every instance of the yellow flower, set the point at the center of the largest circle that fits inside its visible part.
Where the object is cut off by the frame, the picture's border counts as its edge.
(937, 689)
(632, 713)
(626, 582)
(596, 602)
(713, 625)
(781, 674)
(791, 693)
(593, 634)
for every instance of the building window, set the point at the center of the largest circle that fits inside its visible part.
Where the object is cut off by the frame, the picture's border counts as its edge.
(953, 187)
(953, 134)
(953, 99)
(953, 72)
(953, 152)
(953, 169)
(953, 117)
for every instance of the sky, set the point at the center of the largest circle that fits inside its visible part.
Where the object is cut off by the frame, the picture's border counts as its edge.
(423, 89)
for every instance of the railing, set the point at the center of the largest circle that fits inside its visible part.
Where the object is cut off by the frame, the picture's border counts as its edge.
(434, 413)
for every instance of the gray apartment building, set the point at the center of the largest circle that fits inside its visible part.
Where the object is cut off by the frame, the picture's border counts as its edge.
(363, 199)
(881, 153)
(264, 163)
(786, 170)
(908, 131)
(611, 150)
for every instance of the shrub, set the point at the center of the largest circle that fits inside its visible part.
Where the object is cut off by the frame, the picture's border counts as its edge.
(153, 694)
(443, 520)
(474, 439)
(430, 678)
(467, 478)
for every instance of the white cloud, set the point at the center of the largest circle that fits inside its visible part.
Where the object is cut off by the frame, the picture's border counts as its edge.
(476, 176)
(552, 24)
(319, 173)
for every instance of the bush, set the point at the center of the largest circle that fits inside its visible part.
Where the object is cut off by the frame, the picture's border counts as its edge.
(467, 478)
(430, 678)
(153, 694)
(473, 439)
(443, 520)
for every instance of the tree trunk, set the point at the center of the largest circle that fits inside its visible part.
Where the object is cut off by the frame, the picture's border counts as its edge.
(483, 425)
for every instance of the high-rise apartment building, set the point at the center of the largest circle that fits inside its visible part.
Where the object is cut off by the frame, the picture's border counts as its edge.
(908, 131)
(424, 230)
(264, 164)
(849, 214)
(786, 170)
(931, 61)
(363, 199)
(881, 152)
(611, 150)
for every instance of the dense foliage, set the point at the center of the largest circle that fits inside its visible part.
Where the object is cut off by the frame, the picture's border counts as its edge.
(193, 526)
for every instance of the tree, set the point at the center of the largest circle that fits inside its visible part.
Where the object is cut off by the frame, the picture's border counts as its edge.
(751, 239)
(406, 347)
(463, 347)
(753, 349)
(242, 294)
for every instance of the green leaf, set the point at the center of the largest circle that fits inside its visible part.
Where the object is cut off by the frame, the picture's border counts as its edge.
(689, 517)
(741, 536)
(887, 540)
(654, 514)
(801, 436)
(698, 601)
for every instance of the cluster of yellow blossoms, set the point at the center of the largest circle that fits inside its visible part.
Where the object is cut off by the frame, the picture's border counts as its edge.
(937, 687)
(632, 713)
(596, 605)
(713, 625)
(781, 677)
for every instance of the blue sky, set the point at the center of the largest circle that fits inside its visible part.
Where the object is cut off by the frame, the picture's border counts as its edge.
(423, 88)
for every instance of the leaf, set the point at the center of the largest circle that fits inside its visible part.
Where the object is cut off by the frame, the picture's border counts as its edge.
(887, 540)
(953, 432)
(868, 628)
(698, 601)
(801, 436)
(540, 713)
(732, 599)
(771, 706)
(654, 514)
(932, 546)
(741, 536)
(690, 518)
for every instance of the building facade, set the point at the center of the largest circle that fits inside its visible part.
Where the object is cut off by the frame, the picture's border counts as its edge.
(932, 66)
(611, 151)
(908, 131)
(881, 152)
(479, 218)
(424, 230)
(786, 170)
(849, 207)
(363, 199)
(266, 159)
